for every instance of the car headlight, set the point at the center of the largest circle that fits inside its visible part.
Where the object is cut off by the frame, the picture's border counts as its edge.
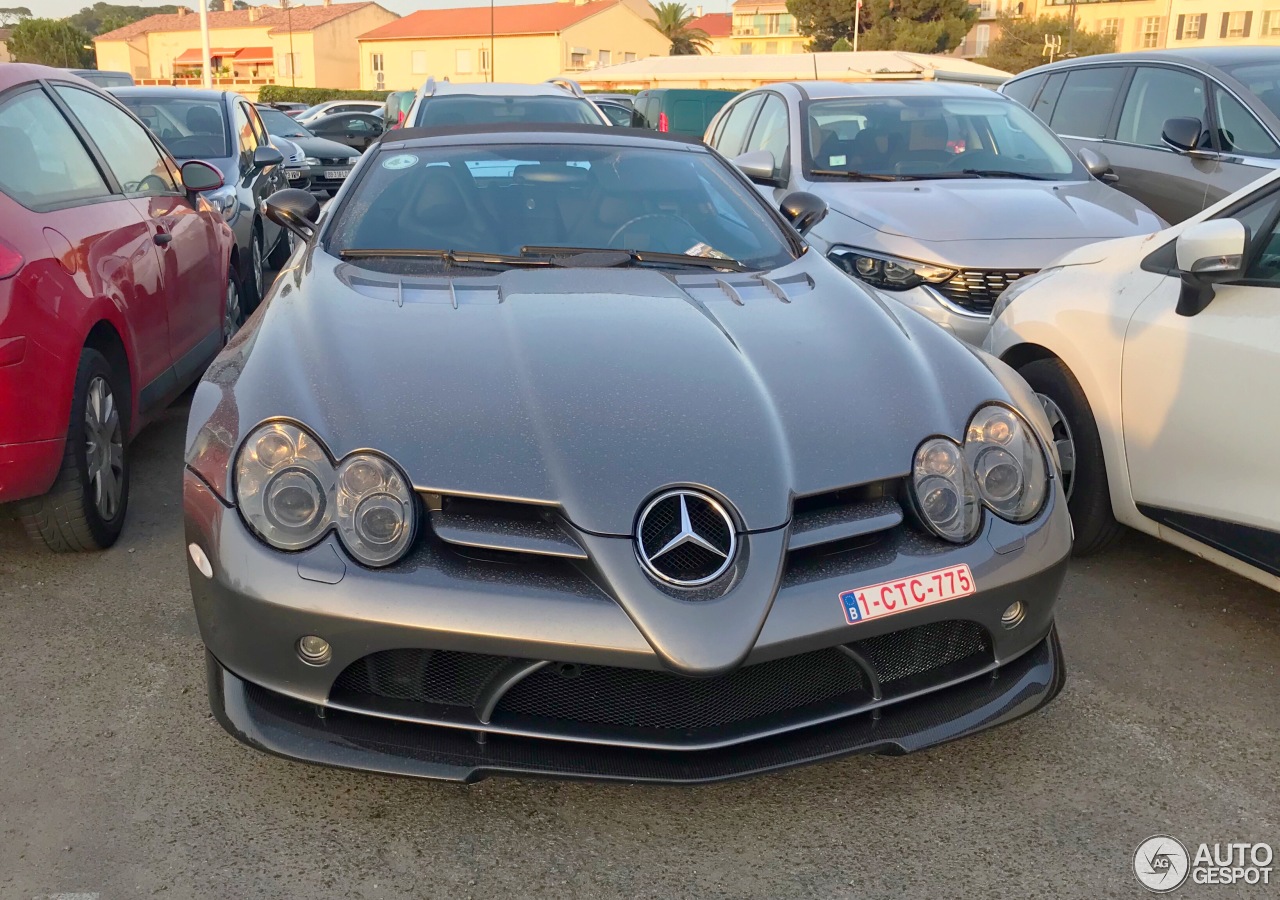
(291, 494)
(1015, 290)
(311, 161)
(1000, 465)
(225, 201)
(890, 273)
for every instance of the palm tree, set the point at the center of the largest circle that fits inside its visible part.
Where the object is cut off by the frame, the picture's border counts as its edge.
(673, 19)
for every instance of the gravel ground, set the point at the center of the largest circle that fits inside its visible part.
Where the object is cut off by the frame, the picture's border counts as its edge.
(117, 781)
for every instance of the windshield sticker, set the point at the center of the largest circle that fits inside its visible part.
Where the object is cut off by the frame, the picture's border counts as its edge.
(402, 161)
(836, 161)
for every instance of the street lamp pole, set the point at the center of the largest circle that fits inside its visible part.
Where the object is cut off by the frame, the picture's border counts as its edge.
(206, 58)
(293, 60)
(857, 18)
(491, 30)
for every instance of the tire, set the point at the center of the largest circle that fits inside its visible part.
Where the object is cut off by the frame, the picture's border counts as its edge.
(254, 282)
(1088, 493)
(282, 251)
(85, 509)
(232, 307)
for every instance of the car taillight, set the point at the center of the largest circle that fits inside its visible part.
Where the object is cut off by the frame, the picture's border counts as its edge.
(10, 261)
(663, 124)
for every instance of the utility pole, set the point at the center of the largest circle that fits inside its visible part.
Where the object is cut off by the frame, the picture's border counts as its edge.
(857, 20)
(491, 30)
(293, 60)
(206, 59)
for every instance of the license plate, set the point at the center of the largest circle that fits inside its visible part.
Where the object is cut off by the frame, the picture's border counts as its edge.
(897, 596)
(342, 173)
(293, 176)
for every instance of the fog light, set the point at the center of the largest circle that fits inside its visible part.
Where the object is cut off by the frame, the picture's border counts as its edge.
(1013, 616)
(201, 560)
(314, 651)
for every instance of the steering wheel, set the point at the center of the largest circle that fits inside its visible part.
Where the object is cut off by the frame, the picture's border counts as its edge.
(670, 217)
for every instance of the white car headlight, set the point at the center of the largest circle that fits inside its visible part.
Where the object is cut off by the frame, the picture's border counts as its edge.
(311, 161)
(1015, 290)
(291, 494)
(225, 201)
(1000, 465)
(889, 273)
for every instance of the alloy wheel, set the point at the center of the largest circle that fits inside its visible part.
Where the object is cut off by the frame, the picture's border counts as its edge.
(1063, 441)
(231, 314)
(259, 281)
(104, 447)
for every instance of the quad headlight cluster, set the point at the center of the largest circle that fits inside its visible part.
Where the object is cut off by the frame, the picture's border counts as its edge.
(291, 494)
(1000, 465)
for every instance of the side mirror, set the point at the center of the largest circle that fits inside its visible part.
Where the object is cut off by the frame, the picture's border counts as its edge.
(1183, 134)
(199, 176)
(1098, 165)
(1208, 253)
(265, 156)
(294, 209)
(758, 165)
(803, 210)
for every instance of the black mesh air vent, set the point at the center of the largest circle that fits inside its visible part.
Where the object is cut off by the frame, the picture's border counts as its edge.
(422, 676)
(924, 648)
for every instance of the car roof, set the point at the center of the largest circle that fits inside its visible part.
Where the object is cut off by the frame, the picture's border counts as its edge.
(828, 90)
(1203, 57)
(501, 89)
(536, 133)
(181, 93)
(12, 74)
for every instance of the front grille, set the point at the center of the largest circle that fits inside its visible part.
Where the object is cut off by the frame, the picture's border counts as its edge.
(324, 161)
(977, 289)
(924, 648)
(422, 676)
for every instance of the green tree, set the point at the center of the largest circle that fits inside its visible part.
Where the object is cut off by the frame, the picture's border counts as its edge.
(13, 15)
(1020, 44)
(103, 17)
(842, 45)
(51, 42)
(673, 20)
(917, 26)
(216, 5)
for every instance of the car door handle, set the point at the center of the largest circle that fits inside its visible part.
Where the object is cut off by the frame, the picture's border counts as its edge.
(161, 238)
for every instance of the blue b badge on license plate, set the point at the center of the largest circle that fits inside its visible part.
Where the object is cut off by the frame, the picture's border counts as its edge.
(851, 611)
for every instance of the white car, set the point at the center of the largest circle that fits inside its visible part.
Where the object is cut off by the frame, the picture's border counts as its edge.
(1157, 359)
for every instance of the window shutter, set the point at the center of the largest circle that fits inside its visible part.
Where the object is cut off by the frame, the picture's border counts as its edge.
(1181, 20)
(1226, 18)
(1248, 22)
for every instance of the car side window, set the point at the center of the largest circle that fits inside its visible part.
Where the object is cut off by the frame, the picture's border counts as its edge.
(736, 124)
(259, 128)
(1024, 89)
(244, 133)
(1048, 99)
(129, 150)
(61, 172)
(770, 131)
(1262, 224)
(1239, 131)
(1155, 95)
(1084, 106)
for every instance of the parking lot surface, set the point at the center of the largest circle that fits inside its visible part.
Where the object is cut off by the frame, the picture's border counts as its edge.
(118, 782)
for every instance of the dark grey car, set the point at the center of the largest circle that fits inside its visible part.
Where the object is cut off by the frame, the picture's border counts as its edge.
(223, 129)
(327, 163)
(556, 451)
(1181, 128)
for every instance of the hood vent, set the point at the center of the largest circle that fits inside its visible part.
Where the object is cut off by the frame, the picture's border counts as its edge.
(741, 289)
(501, 525)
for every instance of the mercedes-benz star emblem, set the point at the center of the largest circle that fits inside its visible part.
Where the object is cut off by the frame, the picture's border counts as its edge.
(685, 538)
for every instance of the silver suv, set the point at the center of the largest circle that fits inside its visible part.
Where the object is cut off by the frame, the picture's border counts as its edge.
(440, 104)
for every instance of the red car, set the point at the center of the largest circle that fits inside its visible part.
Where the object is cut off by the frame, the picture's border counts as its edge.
(115, 293)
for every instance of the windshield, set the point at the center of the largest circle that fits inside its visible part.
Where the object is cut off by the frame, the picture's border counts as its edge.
(191, 129)
(932, 137)
(514, 199)
(282, 125)
(470, 109)
(314, 110)
(1263, 79)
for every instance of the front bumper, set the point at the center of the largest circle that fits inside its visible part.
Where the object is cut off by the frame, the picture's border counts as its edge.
(321, 180)
(298, 177)
(28, 470)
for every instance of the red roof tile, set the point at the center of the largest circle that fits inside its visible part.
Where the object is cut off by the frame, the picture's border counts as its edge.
(533, 18)
(714, 24)
(298, 18)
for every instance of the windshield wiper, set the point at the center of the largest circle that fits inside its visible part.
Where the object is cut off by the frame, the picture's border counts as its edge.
(990, 173)
(860, 176)
(603, 257)
(452, 257)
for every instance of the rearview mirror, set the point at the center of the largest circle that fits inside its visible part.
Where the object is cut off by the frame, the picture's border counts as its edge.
(294, 209)
(1208, 253)
(266, 155)
(803, 210)
(1183, 134)
(1097, 165)
(758, 165)
(199, 176)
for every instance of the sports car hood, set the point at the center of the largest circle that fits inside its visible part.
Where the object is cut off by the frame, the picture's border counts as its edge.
(594, 389)
(993, 209)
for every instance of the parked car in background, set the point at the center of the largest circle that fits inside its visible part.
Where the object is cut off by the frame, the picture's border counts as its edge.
(442, 104)
(117, 286)
(296, 171)
(330, 107)
(1181, 128)
(223, 129)
(326, 164)
(355, 130)
(941, 195)
(1157, 360)
(103, 78)
(396, 109)
(678, 110)
(627, 100)
(690, 504)
(289, 109)
(616, 113)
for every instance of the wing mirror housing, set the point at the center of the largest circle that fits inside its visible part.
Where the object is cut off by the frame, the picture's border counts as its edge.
(758, 165)
(294, 209)
(1184, 134)
(199, 176)
(266, 155)
(1208, 253)
(803, 210)
(1097, 165)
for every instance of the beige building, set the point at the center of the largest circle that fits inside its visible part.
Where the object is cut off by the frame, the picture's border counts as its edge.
(5, 55)
(718, 28)
(765, 27)
(303, 46)
(977, 42)
(1159, 24)
(529, 43)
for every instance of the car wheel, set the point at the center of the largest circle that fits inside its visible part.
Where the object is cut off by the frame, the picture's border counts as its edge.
(85, 508)
(232, 308)
(282, 250)
(1084, 469)
(257, 279)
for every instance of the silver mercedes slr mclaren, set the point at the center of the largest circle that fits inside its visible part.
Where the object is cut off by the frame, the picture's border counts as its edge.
(554, 451)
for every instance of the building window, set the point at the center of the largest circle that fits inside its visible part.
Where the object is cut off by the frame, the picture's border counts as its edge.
(1236, 24)
(288, 64)
(981, 40)
(605, 58)
(1111, 28)
(377, 62)
(1193, 27)
(986, 9)
(770, 46)
(462, 62)
(745, 48)
(771, 23)
(628, 57)
(419, 62)
(1151, 31)
(578, 60)
(484, 59)
(757, 23)
(1271, 23)
(797, 46)
(786, 24)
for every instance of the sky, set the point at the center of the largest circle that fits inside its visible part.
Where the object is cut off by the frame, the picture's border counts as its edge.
(59, 8)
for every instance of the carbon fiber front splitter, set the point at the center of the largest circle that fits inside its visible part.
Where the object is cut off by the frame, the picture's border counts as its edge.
(283, 726)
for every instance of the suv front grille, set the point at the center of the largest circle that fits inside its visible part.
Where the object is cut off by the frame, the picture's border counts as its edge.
(977, 289)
